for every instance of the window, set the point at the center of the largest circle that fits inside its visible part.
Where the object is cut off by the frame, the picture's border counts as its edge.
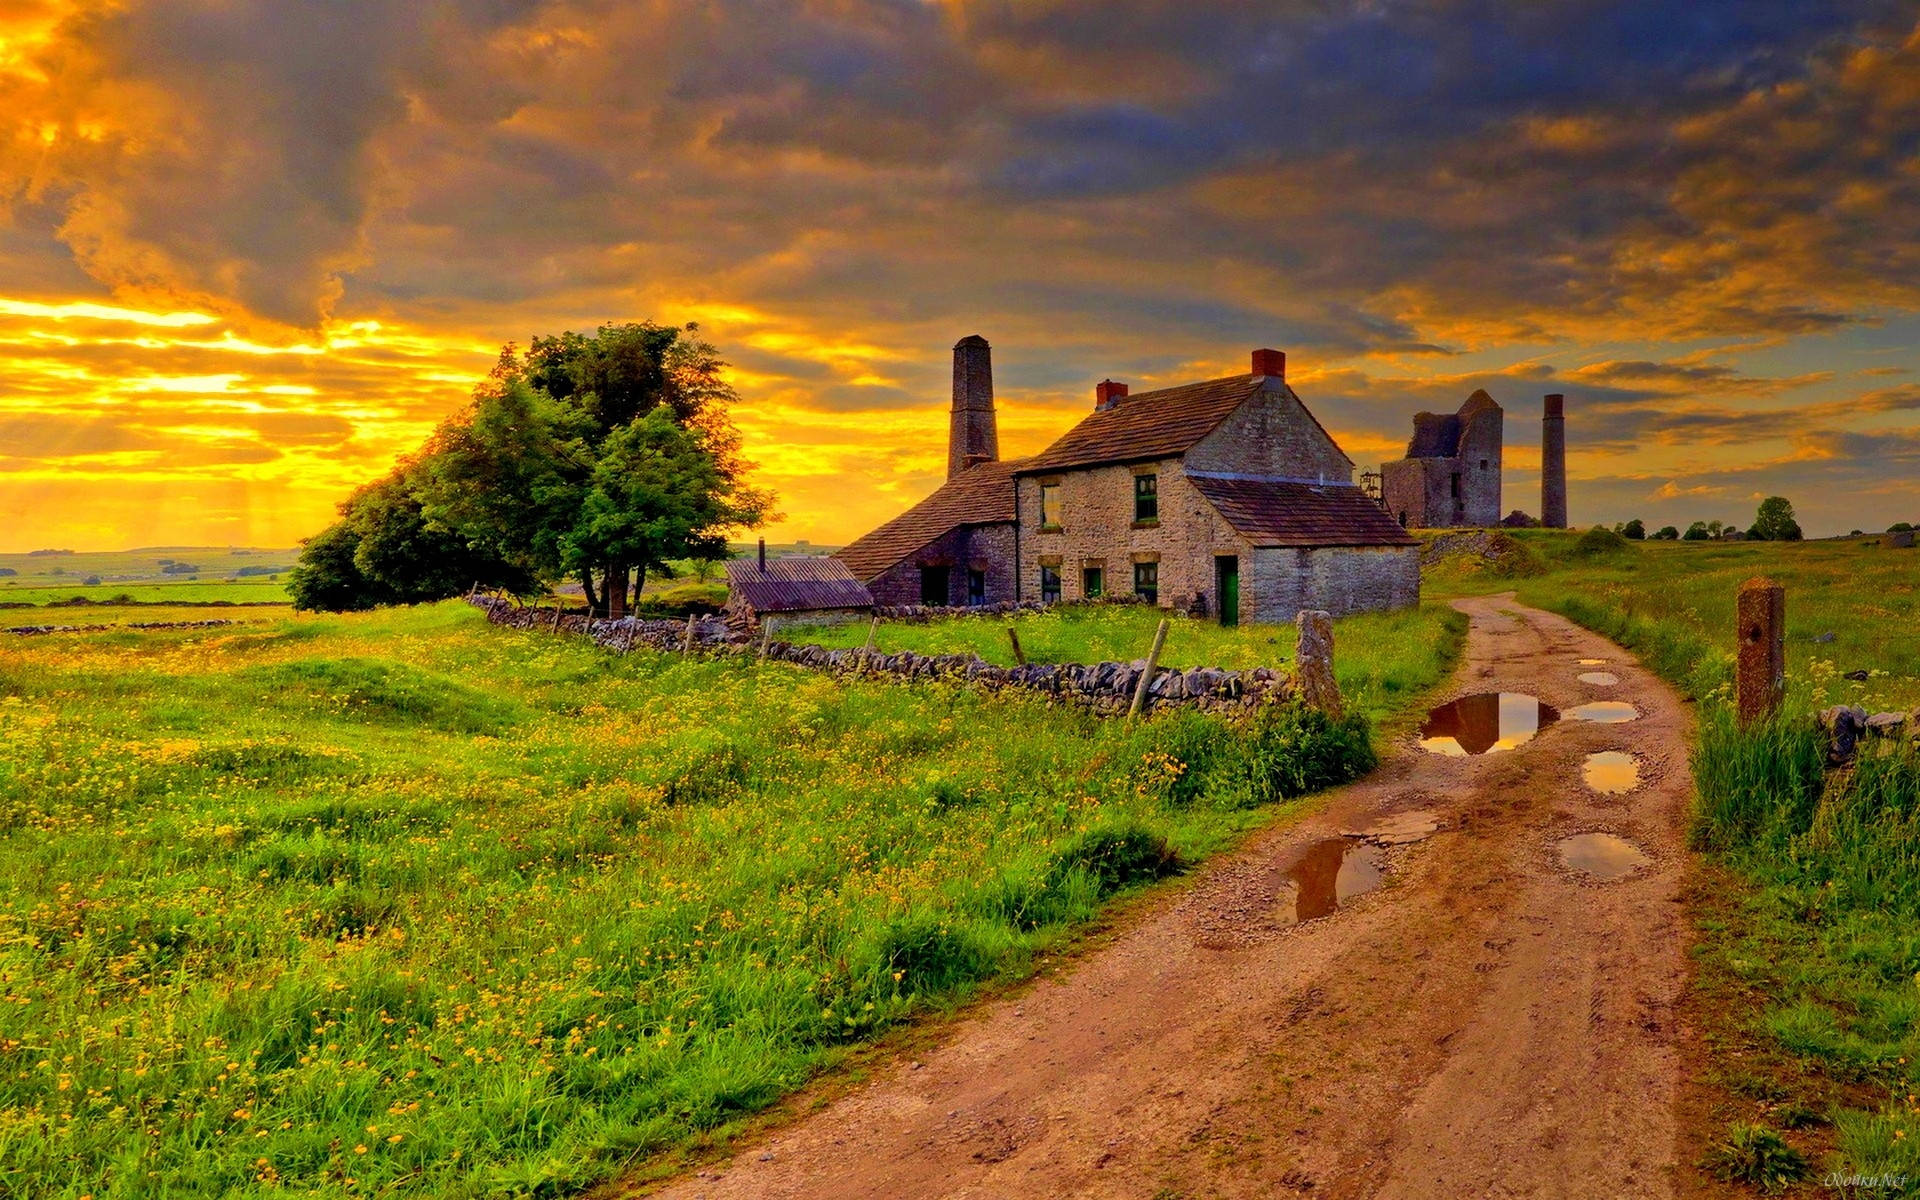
(1146, 581)
(1093, 582)
(1146, 497)
(1456, 485)
(1050, 506)
(933, 586)
(1049, 585)
(1483, 464)
(976, 587)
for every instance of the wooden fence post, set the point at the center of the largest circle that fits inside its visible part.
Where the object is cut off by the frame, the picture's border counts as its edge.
(1146, 676)
(1019, 655)
(766, 635)
(686, 646)
(1761, 676)
(557, 610)
(873, 637)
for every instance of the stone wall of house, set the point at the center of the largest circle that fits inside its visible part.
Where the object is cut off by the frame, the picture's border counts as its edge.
(987, 548)
(1272, 435)
(1339, 579)
(1097, 529)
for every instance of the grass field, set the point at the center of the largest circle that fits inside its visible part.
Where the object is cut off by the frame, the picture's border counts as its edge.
(1379, 659)
(403, 904)
(1809, 928)
(143, 575)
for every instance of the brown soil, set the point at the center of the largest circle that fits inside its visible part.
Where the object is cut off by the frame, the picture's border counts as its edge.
(1486, 1023)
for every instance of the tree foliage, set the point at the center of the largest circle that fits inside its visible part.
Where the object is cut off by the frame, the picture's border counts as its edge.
(597, 458)
(1634, 530)
(1775, 522)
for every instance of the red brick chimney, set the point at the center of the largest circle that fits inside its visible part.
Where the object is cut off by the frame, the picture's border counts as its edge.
(1270, 362)
(1106, 394)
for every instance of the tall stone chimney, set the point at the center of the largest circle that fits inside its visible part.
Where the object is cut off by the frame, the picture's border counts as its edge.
(973, 438)
(1553, 463)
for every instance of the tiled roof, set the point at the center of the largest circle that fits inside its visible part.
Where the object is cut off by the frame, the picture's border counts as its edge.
(796, 583)
(1147, 425)
(980, 495)
(1273, 513)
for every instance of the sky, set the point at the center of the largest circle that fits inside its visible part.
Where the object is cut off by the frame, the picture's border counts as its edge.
(252, 251)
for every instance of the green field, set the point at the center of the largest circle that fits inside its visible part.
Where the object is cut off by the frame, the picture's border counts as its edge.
(403, 904)
(1380, 659)
(143, 575)
(1808, 953)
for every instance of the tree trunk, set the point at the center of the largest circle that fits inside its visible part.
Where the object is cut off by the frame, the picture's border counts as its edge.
(586, 582)
(639, 583)
(616, 590)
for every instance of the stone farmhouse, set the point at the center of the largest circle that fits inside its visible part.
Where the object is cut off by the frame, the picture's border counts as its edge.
(1225, 498)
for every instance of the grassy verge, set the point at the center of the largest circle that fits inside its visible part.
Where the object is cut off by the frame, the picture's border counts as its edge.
(1808, 959)
(399, 903)
(1380, 659)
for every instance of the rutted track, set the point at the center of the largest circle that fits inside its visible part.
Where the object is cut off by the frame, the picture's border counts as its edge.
(1487, 1024)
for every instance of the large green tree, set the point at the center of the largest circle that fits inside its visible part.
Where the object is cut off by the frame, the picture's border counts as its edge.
(1775, 521)
(597, 458)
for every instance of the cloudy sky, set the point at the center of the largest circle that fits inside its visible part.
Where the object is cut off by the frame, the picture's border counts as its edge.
(251, 250)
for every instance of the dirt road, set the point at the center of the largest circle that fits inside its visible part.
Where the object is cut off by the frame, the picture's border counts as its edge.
(1487, 1022)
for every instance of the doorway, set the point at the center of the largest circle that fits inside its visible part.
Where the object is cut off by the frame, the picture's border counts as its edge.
(1226, 577)
(935, 587)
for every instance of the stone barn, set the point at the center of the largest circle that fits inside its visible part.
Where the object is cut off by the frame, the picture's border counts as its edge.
(796, 587)
(1451, 474)
(1225, 497)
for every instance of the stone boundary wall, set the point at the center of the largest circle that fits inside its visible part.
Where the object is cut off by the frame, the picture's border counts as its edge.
(37, 630)
(1105, 687)
(920, 614)
(1846, 726)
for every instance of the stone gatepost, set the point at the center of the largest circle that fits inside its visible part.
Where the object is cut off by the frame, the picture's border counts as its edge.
(1761, 678)
(1313, 663)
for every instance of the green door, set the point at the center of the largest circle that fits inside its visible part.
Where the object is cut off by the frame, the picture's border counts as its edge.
(1227, 572)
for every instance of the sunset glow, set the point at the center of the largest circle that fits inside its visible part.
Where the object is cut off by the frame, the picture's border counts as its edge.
(252, 253)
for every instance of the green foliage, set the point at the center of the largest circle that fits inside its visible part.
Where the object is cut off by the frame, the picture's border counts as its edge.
(1114, 858)
(1598, 542)
(1756, 1156)
(1757, 785)
(1696, 532)
(1667, 533)
(528, 909)
(1775, 522)
(597, 458)
(1634, 530)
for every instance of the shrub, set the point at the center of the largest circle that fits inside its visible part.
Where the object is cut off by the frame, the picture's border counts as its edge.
(1757, 1156)
(1115, 858)
(1598, 542)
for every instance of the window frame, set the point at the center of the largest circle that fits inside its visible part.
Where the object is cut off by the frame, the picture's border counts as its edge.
(1049, 575)
(1146, 581)
(1050, 506)
(1146, 498)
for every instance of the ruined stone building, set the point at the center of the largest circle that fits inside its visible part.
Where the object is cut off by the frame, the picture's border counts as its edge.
(1226, 497)
(1451, 474)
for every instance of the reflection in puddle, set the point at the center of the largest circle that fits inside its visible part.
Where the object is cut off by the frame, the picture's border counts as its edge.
(1601, 855)
(1604, 712)
(1593, 662)
(1612, 772)
(1485, 723)
(1332, 872)
(1603, 678)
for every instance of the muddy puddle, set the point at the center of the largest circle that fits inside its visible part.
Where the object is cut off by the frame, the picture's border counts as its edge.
(1600, 678)
(1602, 856)
(1604, 712)
(1611, 772)
(1399, 829)
(1593, 662)
(1485, 723)
(1332, 872)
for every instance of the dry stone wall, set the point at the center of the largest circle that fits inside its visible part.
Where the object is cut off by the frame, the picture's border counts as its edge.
(1105, 687)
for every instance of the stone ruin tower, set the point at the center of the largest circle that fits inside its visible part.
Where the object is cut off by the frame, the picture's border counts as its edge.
(974, 437)
(1451, 474)
(1553, 463)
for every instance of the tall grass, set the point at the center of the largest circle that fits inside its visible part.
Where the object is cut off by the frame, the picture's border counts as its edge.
(400, 903)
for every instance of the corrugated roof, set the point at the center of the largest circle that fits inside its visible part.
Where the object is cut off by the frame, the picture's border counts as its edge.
(1147, 425)
(1270, 512)
(796, 583)
(980, 495)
